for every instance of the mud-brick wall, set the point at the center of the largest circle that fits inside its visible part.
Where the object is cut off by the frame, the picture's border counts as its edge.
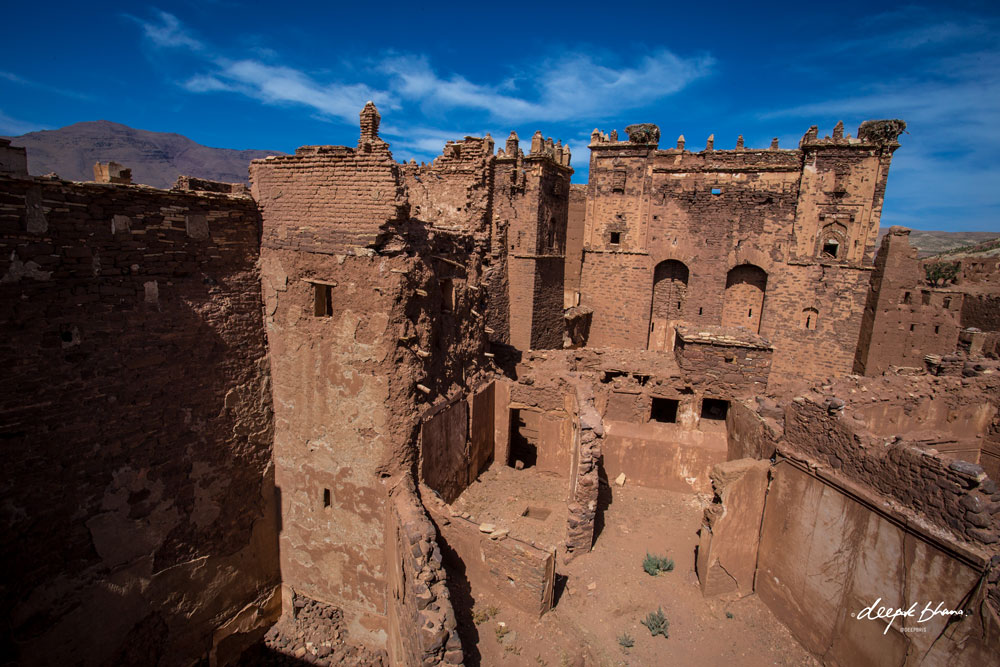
(812, 316)
(617, 286)
(422, 623)
(955, 495)
(138, 495)
(724, 370)
(981, 311)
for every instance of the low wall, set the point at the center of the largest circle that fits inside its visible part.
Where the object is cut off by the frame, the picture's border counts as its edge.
(749, 435)
(515, 571)
(956, 496)
(663, 456)
(828, 551)
(422, 624)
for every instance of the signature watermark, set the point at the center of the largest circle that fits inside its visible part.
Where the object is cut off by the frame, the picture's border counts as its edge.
(876, 612)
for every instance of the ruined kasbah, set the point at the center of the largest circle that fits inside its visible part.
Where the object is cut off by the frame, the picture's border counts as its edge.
(366, 412)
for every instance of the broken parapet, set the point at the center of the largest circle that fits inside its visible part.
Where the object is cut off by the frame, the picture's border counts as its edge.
(194, 184)
(884, 133)
(13, 160)
(112, 172)
(727, 552)
(421, 615)
(543, 148)
(586, 481)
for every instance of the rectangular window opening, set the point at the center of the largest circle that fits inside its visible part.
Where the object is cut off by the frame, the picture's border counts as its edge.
(664, 410)
(913, 327)
(831, 248)
(906, 297)
(323, 300)
(714, 409)
(616, 238)
(327, 499)
(937, 329)
(447, 295)
(716, 191)
(947, 302)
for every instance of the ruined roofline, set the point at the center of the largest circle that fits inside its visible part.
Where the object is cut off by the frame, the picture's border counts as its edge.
(871, 133)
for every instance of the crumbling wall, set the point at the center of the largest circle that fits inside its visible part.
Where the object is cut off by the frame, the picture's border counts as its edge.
(585, 475)
(725, 362)
(730, 534)
(137, 409)
(423, 627)
(375, 323)
(517, 572)
(954, 495)
(904, 319)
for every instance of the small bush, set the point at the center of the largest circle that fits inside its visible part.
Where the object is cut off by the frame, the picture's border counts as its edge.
(657, 623)
(729, 614)
(625, 641)
(501, 632)
(654, 565)
(481, 615)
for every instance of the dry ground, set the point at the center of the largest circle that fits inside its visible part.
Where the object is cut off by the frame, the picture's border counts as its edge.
(604, 595)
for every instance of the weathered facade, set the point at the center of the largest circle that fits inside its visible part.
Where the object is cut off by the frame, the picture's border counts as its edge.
(298, 387)
(777, 242)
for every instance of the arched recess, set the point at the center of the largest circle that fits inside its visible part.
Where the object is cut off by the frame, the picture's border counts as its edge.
(746, 286)
(670, 279)
(832, 241)
(810, 318)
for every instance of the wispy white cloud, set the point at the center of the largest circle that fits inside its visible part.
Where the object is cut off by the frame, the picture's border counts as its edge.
(567, 87)
(13, 127)
(571, 86)
(168, 32)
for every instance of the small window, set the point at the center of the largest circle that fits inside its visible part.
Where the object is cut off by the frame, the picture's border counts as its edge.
(906, 297)
(327, 499)
(323, 300)
(447, 294)
(913, 327)
(716, 191)
(947, 302)
(664, 410)
(831, 248)
(616, 238)
(714, 408)
(937, 328)
(810, 317)
(699, 311)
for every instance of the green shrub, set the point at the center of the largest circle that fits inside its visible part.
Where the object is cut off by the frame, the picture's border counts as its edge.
(657, 623)
(625, 641)
(654, 565)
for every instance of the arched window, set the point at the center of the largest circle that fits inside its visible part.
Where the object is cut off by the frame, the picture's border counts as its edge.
(745, 288)
(810, 318)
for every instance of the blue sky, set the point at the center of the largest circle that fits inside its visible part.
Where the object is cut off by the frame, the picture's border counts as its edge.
(280, 75)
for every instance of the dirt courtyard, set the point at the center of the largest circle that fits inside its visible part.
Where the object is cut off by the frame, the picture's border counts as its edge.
(603, 596)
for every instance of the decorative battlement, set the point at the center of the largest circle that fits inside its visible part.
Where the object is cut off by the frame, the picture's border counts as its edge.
(541, 148)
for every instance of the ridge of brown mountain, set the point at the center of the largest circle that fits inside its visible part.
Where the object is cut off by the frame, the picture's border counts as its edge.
(155, 158)
(930, 243)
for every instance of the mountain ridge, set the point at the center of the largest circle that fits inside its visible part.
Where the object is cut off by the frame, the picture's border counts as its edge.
(155, 158)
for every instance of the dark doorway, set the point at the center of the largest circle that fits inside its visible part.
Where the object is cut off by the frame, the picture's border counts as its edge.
(664, 410)
(523, 436)
(714, 408)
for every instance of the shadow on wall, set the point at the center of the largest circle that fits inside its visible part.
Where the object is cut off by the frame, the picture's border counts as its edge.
(460, 591)
(604, 498)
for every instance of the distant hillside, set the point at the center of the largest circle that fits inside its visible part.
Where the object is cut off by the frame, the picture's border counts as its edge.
(156, 158)
(933, 243)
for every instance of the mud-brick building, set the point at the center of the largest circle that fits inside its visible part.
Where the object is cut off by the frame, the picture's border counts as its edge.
(776, 242)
